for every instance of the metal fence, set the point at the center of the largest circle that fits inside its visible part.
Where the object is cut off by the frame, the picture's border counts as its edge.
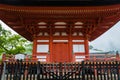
(86, 70)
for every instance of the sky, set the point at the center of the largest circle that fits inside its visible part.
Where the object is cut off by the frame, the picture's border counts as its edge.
(108, 41)
(6, 27)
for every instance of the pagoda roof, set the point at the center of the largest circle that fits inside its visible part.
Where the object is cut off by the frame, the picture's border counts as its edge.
(24, 17)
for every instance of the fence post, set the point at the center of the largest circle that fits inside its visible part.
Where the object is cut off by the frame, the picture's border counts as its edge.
(95, 71)
(118, 71)
(39, 70)
(83, 70)
(60, 68)
(4, 70)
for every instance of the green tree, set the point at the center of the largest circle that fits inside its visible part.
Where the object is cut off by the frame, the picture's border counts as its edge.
(13, 43)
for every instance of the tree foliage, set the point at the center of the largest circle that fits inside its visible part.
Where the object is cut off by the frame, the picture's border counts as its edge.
(13, 43)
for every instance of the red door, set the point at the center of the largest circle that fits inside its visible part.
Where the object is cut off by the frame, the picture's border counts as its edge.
(60, 52)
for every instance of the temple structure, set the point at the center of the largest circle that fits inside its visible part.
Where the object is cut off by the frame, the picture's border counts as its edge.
(60, 30)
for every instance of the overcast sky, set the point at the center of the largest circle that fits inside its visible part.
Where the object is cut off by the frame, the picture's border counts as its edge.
(109, 41)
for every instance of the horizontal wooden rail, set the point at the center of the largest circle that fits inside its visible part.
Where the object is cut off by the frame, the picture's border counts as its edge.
(76, 58)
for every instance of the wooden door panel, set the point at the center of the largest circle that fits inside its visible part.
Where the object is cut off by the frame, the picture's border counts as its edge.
(60, 52)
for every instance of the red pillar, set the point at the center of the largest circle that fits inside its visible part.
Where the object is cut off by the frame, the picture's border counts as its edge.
(34, 49)
(70, 44)
(50, 45)
(86, 48)
(50, 48)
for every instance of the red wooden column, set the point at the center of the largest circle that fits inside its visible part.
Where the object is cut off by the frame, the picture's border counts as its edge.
(70, 43)
(50, 44)
(86, 48)
(34, 49)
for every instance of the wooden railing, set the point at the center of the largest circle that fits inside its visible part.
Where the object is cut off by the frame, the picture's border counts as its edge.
(85, 70)
(75, 58)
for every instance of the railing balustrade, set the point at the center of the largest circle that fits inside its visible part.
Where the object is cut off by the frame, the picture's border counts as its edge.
(85, 70)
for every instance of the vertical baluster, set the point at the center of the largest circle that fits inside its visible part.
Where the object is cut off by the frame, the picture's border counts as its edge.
(50, 71)
(97, 68)
(60, 71)
(30, 70)
(7, 70)
(108, 68)
(23, 68)
(115, 70)
(71, 70)
(94, 69)
(20, 69)
(46, 71)
(42, 69)
(75, 71)
(68, 70)
(55, 72)
(101, 73)
(86, 70)
(104, 70)
(118, 69)
(11, 69)
(34, 71)
(91, 70)
(3, 71)
(111, 70)
(94, 73)
(15, 71)
(79, 71)
(98, 71)
(65, 70)
(27, 70)
(39, 71)
(42, 66)
(83, 71)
